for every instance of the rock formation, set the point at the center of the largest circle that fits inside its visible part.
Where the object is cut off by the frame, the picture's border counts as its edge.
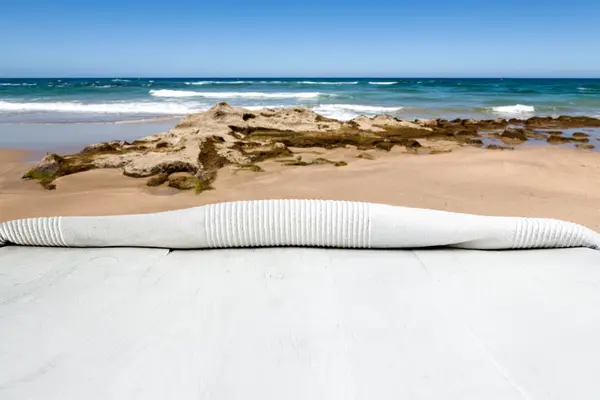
(202, 143)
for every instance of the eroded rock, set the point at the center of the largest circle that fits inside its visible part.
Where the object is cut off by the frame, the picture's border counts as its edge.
(564, 121)
(49, 165)
(158, 179)
(580, 135)
(585, 146)
(113, 146)
(515, 134)
(498, 147)
(53, 166)
(188, 182)
(203, 143)
(556, 139)
(366, 156)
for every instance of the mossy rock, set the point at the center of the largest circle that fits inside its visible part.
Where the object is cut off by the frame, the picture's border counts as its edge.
(475, 142)
(34, 174)
(277, 151)
(580, 135)
(48, 185)
(145, 141)
(53, 166)
(321, 161)
(470, 132)
(157, 180)
(498, 147)
(202, 185)
(296, 163)
(535, 135)
(209, 158)
(105, 147)
(555, 139)
(514, 134)
(189, 183)
(387, 146)
(366, 156)
(440, 151)
(44, 179)
(580, 139)
(250, 167)
(316, 161)
(166, 167)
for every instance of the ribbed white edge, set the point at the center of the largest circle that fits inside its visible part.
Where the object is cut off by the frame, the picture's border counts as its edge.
(322, 223)
(288, 223)
(33, 232)
(544, 233)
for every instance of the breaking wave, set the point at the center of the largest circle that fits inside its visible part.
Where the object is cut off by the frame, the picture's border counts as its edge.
(516, 109)
(18, 84)
(218, 83)
(238, 95)
(326, 83)
(270, 83)
(382, 83)
(344, 112)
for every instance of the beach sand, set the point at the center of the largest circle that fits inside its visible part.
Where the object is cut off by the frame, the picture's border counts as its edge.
(535, 182)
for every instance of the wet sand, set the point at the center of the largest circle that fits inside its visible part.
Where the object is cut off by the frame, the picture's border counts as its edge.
(536, 182)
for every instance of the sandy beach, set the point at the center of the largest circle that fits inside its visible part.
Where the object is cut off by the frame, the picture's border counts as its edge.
(536, 182)
(489, 167)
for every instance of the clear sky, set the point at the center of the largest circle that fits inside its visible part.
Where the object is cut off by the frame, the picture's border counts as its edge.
(233, 38)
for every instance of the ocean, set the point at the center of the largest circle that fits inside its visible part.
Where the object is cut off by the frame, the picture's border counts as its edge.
(62, 100)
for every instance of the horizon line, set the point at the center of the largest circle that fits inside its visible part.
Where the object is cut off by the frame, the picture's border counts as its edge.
(296, 77)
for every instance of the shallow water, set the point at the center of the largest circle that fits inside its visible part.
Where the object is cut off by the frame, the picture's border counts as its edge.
(49, 137)
(594, 139)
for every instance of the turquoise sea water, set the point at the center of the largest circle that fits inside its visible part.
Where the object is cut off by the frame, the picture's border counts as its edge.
(117, 99)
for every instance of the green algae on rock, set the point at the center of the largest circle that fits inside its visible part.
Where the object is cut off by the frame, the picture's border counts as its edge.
(203, 143)
(316, 161)
(366, 156)
(498, 147)
(188, 183)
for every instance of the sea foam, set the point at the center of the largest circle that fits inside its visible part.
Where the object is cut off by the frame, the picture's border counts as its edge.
(326, 83)
(238, 95)
(218, 83)
(18, 84)
(382, 83)
(516, 109)
(269, 83)
(345, 112)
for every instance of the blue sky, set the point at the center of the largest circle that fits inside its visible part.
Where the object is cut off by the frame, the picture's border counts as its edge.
(231, 38)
